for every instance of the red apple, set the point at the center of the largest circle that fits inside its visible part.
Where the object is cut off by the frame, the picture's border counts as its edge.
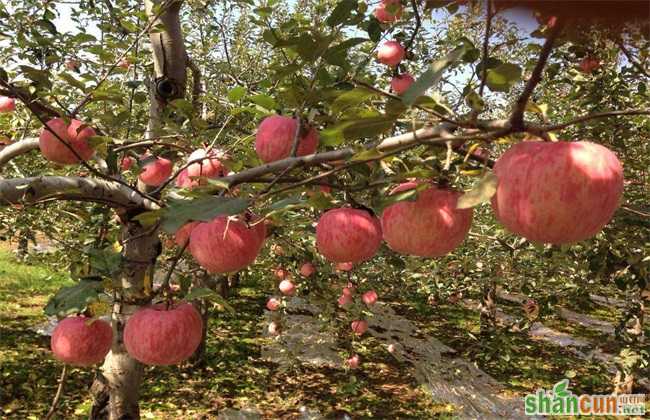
(157, 172)
(209, 167)
(348, 235)
(307, 269)
(390, 53)
(344, 300)
(359, 327)
(401, 83)
(183, 234)
(274, 328)
(72, 65)
(388, 11)
(353, 362)
(157, 335)
(7, 104)
(124, 63)
(431, 226)
(74, 135)
(369, 298)
(557, 193)
(277, 250)
(224, 246)
(589, 64)
(81, 341)
(126, 163)
(273, 304)
(344, 266)
(287, 287)
(280, 273)
(274, 139)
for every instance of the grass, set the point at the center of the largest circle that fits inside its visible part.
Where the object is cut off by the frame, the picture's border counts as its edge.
(234, 376)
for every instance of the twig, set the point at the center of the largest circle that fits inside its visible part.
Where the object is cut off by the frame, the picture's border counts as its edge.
(634, 211)
(59, 391)
(418, 24)
(296, 136)
(630, 58)
(486, 45)
(517, 116)
(397, 98)
(165, 284)
(555, 127)
(149, 143)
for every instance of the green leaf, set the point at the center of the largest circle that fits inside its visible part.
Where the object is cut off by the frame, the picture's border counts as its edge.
(72, 81)
(265, 101)
(179, 212)
(312, 46)
(408, 195)
(374, 30)
(105, 262)
(74, 299)
(474, 101)
(363, 127)
(503, 77)
(210, 295)
(184, 106)
(108, 96)
(367, 155)
(432, 76)
(235, 94)
(480, 193)
(351, 98)
(337, 55)
(341, 12)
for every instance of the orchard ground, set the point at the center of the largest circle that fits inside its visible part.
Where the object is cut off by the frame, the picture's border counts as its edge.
(233, 376)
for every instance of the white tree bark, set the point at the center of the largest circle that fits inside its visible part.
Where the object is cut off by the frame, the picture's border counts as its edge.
(45, 188)
(17, 149)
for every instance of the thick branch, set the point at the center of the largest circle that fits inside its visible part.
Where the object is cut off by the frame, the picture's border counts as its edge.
(17, 149)
(47, 188)
(517, 118)
(486, 45)
(419, 136)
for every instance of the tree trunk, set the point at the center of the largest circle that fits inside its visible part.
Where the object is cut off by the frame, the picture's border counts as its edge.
(116, 388)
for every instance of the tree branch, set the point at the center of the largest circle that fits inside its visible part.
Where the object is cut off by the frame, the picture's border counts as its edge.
(25, 191)
(486, 45)
(630, 58)
(418, 23)
(17, 149)
(517, 116)
(59, 391)
(555, 127)
(29, 100)
(196, 83)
